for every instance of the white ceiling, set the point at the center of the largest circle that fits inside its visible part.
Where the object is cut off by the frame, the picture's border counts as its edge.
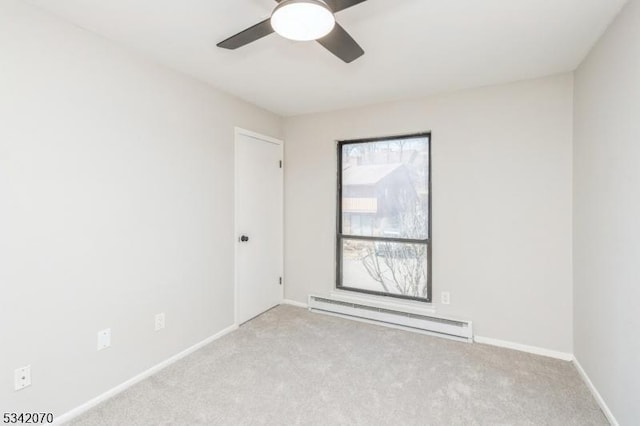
(413, 47)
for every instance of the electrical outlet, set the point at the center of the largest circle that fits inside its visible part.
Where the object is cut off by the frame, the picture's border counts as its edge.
(104, 339)
(159, 321)
(22, 377)
(445, 298)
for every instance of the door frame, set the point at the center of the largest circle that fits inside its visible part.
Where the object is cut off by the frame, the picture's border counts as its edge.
(239, 131)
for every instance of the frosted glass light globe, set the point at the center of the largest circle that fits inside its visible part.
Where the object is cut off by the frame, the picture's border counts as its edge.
(302, 20)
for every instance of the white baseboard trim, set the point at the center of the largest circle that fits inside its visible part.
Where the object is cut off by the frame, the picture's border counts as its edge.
(524, 348)
(294, 303)
(603, 405)
(138, 378)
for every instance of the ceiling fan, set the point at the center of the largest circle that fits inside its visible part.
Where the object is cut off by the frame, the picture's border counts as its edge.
(304, 20)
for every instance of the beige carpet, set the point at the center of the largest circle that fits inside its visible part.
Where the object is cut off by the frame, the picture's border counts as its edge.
(293, 367)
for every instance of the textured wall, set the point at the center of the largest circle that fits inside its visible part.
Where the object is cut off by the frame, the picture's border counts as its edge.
(116, 195)
(606, 215)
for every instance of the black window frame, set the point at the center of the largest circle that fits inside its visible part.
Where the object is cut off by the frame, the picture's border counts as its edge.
(340, 236)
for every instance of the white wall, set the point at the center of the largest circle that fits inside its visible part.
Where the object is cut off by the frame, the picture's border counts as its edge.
(116, 199)
(501, 203)
(607, 216)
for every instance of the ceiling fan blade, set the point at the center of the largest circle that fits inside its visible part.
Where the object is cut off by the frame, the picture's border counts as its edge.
(341, 44)
(247, 36)
(338, 5)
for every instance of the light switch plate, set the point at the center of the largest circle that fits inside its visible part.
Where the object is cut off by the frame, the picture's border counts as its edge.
(159, 321)
(104, 339)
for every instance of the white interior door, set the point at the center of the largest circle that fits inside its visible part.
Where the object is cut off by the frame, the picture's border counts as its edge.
(258, 223)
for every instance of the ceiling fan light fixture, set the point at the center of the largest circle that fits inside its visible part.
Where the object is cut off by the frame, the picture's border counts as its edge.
(302, 20)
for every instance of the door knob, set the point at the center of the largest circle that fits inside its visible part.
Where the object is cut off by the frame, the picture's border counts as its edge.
(244, 238)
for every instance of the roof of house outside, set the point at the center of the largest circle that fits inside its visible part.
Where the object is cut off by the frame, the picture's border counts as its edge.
(369, 174)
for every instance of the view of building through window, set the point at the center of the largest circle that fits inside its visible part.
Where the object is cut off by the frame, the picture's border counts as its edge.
(384, 217)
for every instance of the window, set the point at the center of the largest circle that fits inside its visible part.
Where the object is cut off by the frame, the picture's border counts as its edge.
(384, 216)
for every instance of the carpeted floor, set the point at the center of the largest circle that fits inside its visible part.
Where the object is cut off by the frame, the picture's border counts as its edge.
(292, 367)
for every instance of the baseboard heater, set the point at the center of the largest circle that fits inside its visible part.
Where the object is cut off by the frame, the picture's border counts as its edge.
(452, 329)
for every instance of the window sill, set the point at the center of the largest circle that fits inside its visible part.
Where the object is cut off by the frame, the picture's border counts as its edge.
(385, 302)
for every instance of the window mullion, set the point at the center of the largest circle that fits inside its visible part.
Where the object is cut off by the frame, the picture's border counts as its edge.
(388, 239)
